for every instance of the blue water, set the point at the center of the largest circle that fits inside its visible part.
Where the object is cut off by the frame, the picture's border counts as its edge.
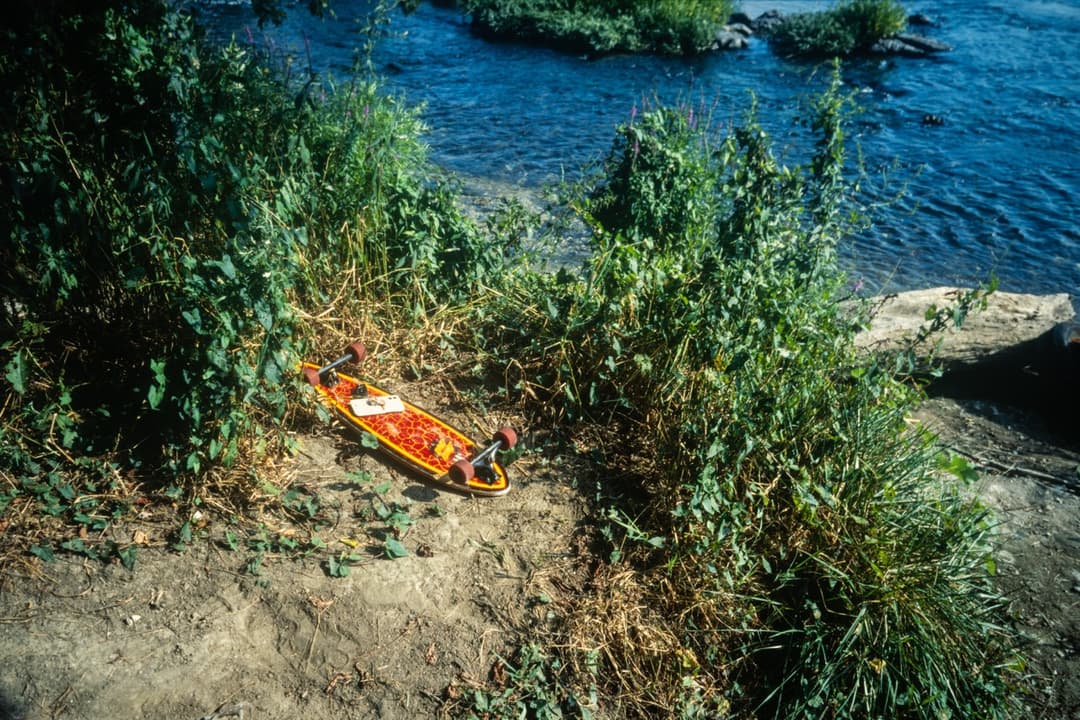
(994, 188)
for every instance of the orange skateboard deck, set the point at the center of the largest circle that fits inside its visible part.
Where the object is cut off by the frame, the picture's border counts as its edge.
(425, 444)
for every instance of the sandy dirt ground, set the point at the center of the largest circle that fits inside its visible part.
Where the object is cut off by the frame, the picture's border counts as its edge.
(197, 636)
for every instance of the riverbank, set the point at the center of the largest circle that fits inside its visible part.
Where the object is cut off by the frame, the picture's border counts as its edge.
(407, 638)
(1033, 487)
(412, 637)
(992, 409)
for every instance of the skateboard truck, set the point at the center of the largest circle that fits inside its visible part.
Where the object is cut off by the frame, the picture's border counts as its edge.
(480, 466)
(327, 374)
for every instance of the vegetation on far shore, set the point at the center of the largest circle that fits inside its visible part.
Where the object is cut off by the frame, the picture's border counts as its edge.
(680, 27)
(848, 27)
(185, 224)
(677, 27)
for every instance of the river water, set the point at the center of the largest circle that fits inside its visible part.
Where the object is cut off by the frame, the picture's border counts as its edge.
(994, 188)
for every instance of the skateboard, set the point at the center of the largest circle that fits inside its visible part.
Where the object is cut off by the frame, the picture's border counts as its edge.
(417, 439)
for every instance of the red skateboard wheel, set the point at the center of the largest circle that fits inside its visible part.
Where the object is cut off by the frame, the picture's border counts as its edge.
(462, 471)
(356, 351)
(506, 436)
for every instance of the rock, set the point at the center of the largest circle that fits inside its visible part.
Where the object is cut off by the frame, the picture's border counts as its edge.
(1010, 319)
(740, 18)
(924, 43)
(920, 19)
(1063, 351)
(740, 28)
(909, 45)
(1022, 350)
(729, 40)
(893, 46)
(767, 21)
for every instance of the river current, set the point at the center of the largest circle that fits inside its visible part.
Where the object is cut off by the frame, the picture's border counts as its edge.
(994, 187)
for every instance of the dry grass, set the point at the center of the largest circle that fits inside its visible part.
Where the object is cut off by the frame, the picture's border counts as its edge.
(631, 624)
(619, 624)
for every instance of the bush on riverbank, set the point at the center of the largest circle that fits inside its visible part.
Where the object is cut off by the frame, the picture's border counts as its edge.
(851, 26)
(681, 27)
(800, 552)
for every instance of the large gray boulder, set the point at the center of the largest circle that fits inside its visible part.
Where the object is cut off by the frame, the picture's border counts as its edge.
(730, 38)
(767, 21)
(1010, 319)
(1022, 350)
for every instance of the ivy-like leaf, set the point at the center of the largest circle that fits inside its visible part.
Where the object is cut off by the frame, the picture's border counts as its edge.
(394, 549)
(15, 373)
(156, 393)
(43, 552)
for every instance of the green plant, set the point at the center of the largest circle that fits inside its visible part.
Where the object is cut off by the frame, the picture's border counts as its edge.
(669, 26)
(339, 565)
(794, 528)
(849, 27)
(145, 236)
(531, 688)
(394, 549)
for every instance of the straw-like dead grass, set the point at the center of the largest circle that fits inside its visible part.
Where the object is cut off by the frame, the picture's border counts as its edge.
(620, 625)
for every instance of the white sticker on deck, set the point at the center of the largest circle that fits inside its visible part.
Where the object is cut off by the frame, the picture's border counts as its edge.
(380, 405)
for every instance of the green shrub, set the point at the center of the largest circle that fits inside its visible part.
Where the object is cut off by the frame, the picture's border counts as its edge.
(135, 259)
(681, 27)
(174, 209)
(384, 212)
(872, 19)
(795, 532)
(667, 26)
(851, 26)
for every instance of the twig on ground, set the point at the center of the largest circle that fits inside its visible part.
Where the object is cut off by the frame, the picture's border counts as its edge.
(1008, 469)
(321, 605)
(225, 710)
